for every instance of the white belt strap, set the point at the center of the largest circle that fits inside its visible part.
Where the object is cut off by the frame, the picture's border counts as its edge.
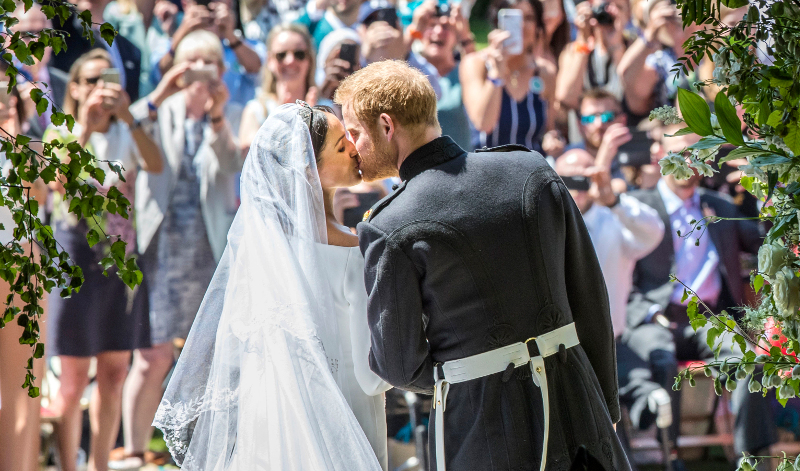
(495, 361)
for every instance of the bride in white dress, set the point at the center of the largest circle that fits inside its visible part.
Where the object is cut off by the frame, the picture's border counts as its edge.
(275, 374)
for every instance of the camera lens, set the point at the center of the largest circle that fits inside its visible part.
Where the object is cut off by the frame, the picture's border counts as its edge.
(602, 16)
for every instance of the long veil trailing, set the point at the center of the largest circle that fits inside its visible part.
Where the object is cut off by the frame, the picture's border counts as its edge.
(255, 387)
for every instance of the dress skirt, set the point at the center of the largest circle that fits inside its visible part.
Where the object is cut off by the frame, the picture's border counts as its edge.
(100, 317)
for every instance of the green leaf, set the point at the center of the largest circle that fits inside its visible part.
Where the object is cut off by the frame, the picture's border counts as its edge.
(696, 319)
(108, 33)
(741, 342)
(758, 283)
(741, 153)
(37, 49)
(708, 143)
(774, 118)
(728, 120)
(772, 159)
(39, 351)
(711, 336)
(22, 140)
(680, 132)
(92, 237)
(695, 112)
(41, 106)
(792, 138)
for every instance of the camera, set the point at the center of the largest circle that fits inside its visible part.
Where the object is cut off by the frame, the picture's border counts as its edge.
(442, 9)
(602, 16)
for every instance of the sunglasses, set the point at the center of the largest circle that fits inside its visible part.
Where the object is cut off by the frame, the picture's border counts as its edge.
(91, 80)
(605, 117)
(299, 55)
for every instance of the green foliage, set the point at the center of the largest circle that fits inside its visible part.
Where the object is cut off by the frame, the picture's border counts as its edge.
(36, 164)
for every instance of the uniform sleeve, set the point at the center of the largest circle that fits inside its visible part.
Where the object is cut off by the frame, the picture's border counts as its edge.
(360, 338)
(586, 289)
(399, 349)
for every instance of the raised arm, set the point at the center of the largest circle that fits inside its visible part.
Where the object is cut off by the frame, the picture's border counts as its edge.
(481, 96)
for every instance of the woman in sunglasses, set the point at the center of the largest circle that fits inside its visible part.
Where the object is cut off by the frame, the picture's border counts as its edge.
(97, 321)
(287, 76)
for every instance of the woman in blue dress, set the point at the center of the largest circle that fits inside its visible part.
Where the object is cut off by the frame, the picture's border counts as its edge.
(507, 97)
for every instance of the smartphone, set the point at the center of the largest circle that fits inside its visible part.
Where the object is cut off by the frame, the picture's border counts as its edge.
(5, 98)
(442, 9)
(347, 52)
(109, 75)
(352, 216)
(204, 3)
(577, 183)
(206, 73)
(510, 19)
(635, 152)
(388, 15)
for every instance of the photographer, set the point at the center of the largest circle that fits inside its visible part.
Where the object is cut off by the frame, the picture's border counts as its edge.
(184, 216)
(645, 66)
(97, 321)
(445, 39)
(591, 60)
(242, 58)
(506, 95)
(603, 128)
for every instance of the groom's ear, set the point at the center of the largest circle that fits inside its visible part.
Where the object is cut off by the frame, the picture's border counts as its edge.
(386, 125)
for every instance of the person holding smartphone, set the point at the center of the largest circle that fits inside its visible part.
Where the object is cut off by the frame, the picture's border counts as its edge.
(508, 86)
(184, 214)
(97, 321)
(242, 58)
(339, 56)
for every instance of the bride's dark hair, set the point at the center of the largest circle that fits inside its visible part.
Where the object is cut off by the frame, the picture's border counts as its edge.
(317, 123)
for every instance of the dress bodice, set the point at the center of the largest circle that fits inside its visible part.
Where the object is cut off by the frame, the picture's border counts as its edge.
(362, 388)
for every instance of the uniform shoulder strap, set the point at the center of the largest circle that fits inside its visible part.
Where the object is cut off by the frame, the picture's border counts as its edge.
(505, 148)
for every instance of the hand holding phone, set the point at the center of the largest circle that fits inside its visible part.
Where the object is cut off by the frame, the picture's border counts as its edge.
(207, 73)
(510, 20)
(347, 52)
(110, 75)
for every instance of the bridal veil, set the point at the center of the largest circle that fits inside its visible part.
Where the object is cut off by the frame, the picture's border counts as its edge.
(255, 387)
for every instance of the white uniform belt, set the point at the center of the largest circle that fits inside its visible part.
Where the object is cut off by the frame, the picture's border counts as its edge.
(496, 361)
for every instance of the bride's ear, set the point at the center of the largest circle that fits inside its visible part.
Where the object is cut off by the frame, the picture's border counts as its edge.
(386, 125)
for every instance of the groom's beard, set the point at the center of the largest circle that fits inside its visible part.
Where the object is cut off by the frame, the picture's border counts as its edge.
(381, 164)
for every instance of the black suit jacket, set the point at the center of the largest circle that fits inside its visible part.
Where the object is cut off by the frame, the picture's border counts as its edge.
(651, 283)
(77, 46)
(478, 251)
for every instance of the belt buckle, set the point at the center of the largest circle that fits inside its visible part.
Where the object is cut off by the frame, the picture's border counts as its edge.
(538, 369)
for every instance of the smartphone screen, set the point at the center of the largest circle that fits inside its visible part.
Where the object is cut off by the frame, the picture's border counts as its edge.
(4, 96)
(510, 19)
(347, 52)
(206, 73)
(109, 75)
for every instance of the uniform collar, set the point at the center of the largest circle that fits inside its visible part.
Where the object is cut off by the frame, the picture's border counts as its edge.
(436, 152)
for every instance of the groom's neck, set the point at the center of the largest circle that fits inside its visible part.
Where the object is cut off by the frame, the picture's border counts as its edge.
(414, 138)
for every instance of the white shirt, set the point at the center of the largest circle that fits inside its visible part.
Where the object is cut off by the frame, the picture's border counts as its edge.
(622, 235)
(695, 265)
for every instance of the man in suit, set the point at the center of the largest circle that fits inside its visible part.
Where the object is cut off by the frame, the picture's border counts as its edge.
(707, 259)
(473, 254)
(125, 56)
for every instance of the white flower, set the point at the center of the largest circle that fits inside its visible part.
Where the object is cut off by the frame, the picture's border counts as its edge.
(715, 122)
(786, 292)
(753, 171)
(706, 154)
(703, 168)
(675, 164)
(771, 259)
(778, 142)
(666, 114)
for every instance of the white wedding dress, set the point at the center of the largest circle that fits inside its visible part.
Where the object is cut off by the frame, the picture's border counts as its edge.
(344, 267)
(272, 376)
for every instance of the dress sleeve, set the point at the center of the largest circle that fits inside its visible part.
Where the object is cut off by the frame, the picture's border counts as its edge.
(356, 295)
(399, 353)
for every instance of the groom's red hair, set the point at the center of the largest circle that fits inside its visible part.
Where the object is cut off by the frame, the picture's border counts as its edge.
(391, 87)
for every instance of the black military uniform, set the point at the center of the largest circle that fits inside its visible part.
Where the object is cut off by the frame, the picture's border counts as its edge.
(478, 251)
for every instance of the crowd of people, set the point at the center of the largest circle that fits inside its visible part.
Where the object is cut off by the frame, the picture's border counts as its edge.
(181, 93)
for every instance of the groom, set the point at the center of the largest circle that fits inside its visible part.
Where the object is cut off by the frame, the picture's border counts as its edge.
(484, 288)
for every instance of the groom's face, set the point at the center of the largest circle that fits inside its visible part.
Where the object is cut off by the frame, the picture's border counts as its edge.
(378, 156)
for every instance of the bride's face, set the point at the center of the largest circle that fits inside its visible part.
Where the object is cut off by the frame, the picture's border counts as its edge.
(338, 160)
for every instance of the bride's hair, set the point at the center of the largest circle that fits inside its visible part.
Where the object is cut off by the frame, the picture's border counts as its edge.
(317, 123)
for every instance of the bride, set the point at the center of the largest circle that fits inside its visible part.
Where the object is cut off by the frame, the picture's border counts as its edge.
(274, 374)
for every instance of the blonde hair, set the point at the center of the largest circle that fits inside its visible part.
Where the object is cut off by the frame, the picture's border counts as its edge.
(391, 87)
(70, 104)
(205, 42)
(268, 80)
